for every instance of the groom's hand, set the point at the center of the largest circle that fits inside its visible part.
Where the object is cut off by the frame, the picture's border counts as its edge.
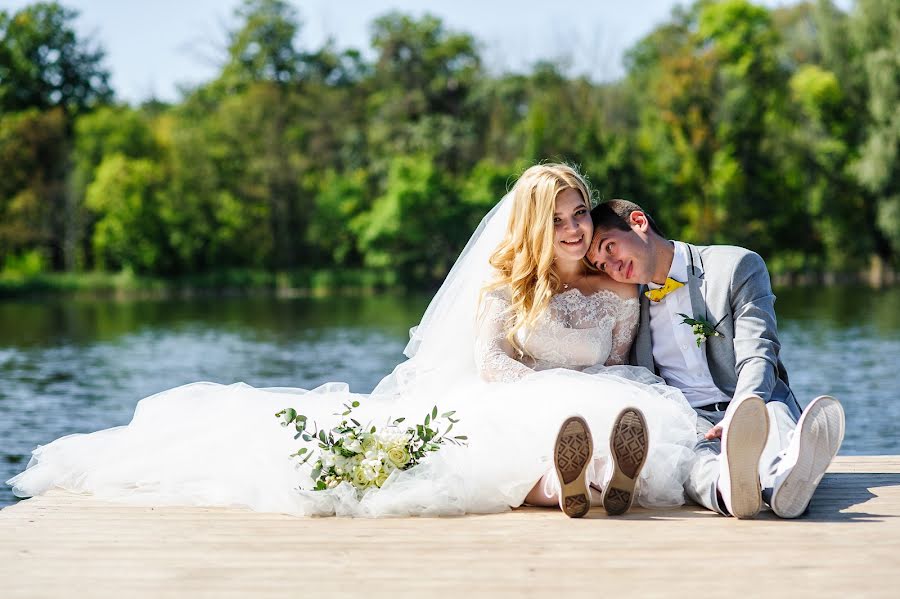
(714, 433)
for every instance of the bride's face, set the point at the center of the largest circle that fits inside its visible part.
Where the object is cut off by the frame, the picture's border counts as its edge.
(572, 226)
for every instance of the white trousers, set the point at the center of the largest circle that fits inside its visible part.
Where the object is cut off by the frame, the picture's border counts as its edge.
(702, 483)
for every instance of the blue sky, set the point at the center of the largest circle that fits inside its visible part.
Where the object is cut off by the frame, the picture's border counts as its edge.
(153, 46)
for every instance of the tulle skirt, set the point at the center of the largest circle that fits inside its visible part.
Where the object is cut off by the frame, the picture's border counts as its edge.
(207, 444)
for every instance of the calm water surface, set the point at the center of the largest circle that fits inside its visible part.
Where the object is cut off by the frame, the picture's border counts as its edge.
(70, 366)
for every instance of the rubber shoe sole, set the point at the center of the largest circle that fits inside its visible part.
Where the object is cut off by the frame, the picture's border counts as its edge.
(628, 452)
(743, 442)
(572, 455)
(821, 430)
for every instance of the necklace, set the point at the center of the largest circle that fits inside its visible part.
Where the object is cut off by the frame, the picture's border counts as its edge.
(566, 286)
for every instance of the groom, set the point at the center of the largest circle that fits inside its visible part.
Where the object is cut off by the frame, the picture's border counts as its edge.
(708, 327)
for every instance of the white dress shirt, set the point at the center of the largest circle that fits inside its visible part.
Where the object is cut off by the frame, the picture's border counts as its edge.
(680, 361)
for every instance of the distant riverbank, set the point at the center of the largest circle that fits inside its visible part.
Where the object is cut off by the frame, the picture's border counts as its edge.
(300, 283)
(878, 275)
(320, 282)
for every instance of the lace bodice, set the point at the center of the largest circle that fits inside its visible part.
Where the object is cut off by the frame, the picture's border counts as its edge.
(575, 332)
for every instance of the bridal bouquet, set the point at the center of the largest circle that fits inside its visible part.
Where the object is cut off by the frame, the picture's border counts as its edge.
(365, 456)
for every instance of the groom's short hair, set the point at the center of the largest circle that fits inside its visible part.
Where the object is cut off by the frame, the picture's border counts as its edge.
(614, 214)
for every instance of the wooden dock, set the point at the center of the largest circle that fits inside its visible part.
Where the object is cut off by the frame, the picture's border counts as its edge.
(64, 545)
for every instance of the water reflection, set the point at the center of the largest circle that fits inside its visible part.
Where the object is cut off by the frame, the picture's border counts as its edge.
(76, 365)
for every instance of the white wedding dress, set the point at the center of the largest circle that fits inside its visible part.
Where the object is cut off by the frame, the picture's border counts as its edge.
(216, 445)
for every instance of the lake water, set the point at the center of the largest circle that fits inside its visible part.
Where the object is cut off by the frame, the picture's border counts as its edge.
(69, 365)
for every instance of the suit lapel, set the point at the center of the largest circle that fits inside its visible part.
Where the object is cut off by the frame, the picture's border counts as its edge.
(696, 283)
(700, 308)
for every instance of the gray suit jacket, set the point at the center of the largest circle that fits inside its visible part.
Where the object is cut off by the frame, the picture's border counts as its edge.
(730, 288)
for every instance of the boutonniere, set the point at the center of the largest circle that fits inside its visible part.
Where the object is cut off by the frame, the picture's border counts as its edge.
(701, 327)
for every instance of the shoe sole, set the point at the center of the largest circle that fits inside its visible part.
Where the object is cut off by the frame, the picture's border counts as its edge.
(744, 443)
(628, 451)
(572, 455)
(822, 425)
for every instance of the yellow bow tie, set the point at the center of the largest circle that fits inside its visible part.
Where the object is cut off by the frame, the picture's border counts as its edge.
(657, 295)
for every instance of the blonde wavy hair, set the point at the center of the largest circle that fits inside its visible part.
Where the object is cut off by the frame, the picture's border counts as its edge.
(524, 259)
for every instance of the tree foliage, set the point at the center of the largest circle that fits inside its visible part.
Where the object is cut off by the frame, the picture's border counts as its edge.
(43, 64)
(778, 129)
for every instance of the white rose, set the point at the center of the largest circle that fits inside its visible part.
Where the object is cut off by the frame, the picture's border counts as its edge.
(369, 443)
(360, 479)
(398, 456)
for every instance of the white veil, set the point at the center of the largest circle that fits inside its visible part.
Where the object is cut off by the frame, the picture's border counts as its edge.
(441, 347)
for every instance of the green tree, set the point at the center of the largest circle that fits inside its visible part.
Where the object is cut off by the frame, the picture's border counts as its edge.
(341, 199)
(108, 131)
(415, 227)
(43, 63)
(130, 232)
(44, 66)
(422, 78)
(875, 28)
(32, 152)
(263, 48)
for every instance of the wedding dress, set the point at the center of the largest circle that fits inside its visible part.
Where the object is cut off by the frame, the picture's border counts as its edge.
(217, 445)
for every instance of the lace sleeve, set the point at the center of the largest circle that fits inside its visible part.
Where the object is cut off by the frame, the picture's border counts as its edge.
(624, 331)
(493, 352)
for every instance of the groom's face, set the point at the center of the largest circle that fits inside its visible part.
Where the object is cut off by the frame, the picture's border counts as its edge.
(624, 255)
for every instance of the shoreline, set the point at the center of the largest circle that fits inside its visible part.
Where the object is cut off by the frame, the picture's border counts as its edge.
(223, 283)
(309, 283)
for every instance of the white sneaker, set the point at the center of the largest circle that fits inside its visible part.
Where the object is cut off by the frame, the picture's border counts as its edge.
(743, 440)
(815, 442)
(572, 455)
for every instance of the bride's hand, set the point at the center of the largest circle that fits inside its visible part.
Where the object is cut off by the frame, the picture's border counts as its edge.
(714, 433)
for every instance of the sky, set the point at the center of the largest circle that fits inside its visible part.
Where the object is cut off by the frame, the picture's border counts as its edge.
(154, 48)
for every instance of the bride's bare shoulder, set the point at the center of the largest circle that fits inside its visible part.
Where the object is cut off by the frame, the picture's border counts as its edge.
(600, 281)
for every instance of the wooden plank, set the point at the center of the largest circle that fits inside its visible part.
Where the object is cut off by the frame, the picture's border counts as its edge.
(62, 545)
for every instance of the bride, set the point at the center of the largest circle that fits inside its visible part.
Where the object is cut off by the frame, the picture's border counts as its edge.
(521, 336)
